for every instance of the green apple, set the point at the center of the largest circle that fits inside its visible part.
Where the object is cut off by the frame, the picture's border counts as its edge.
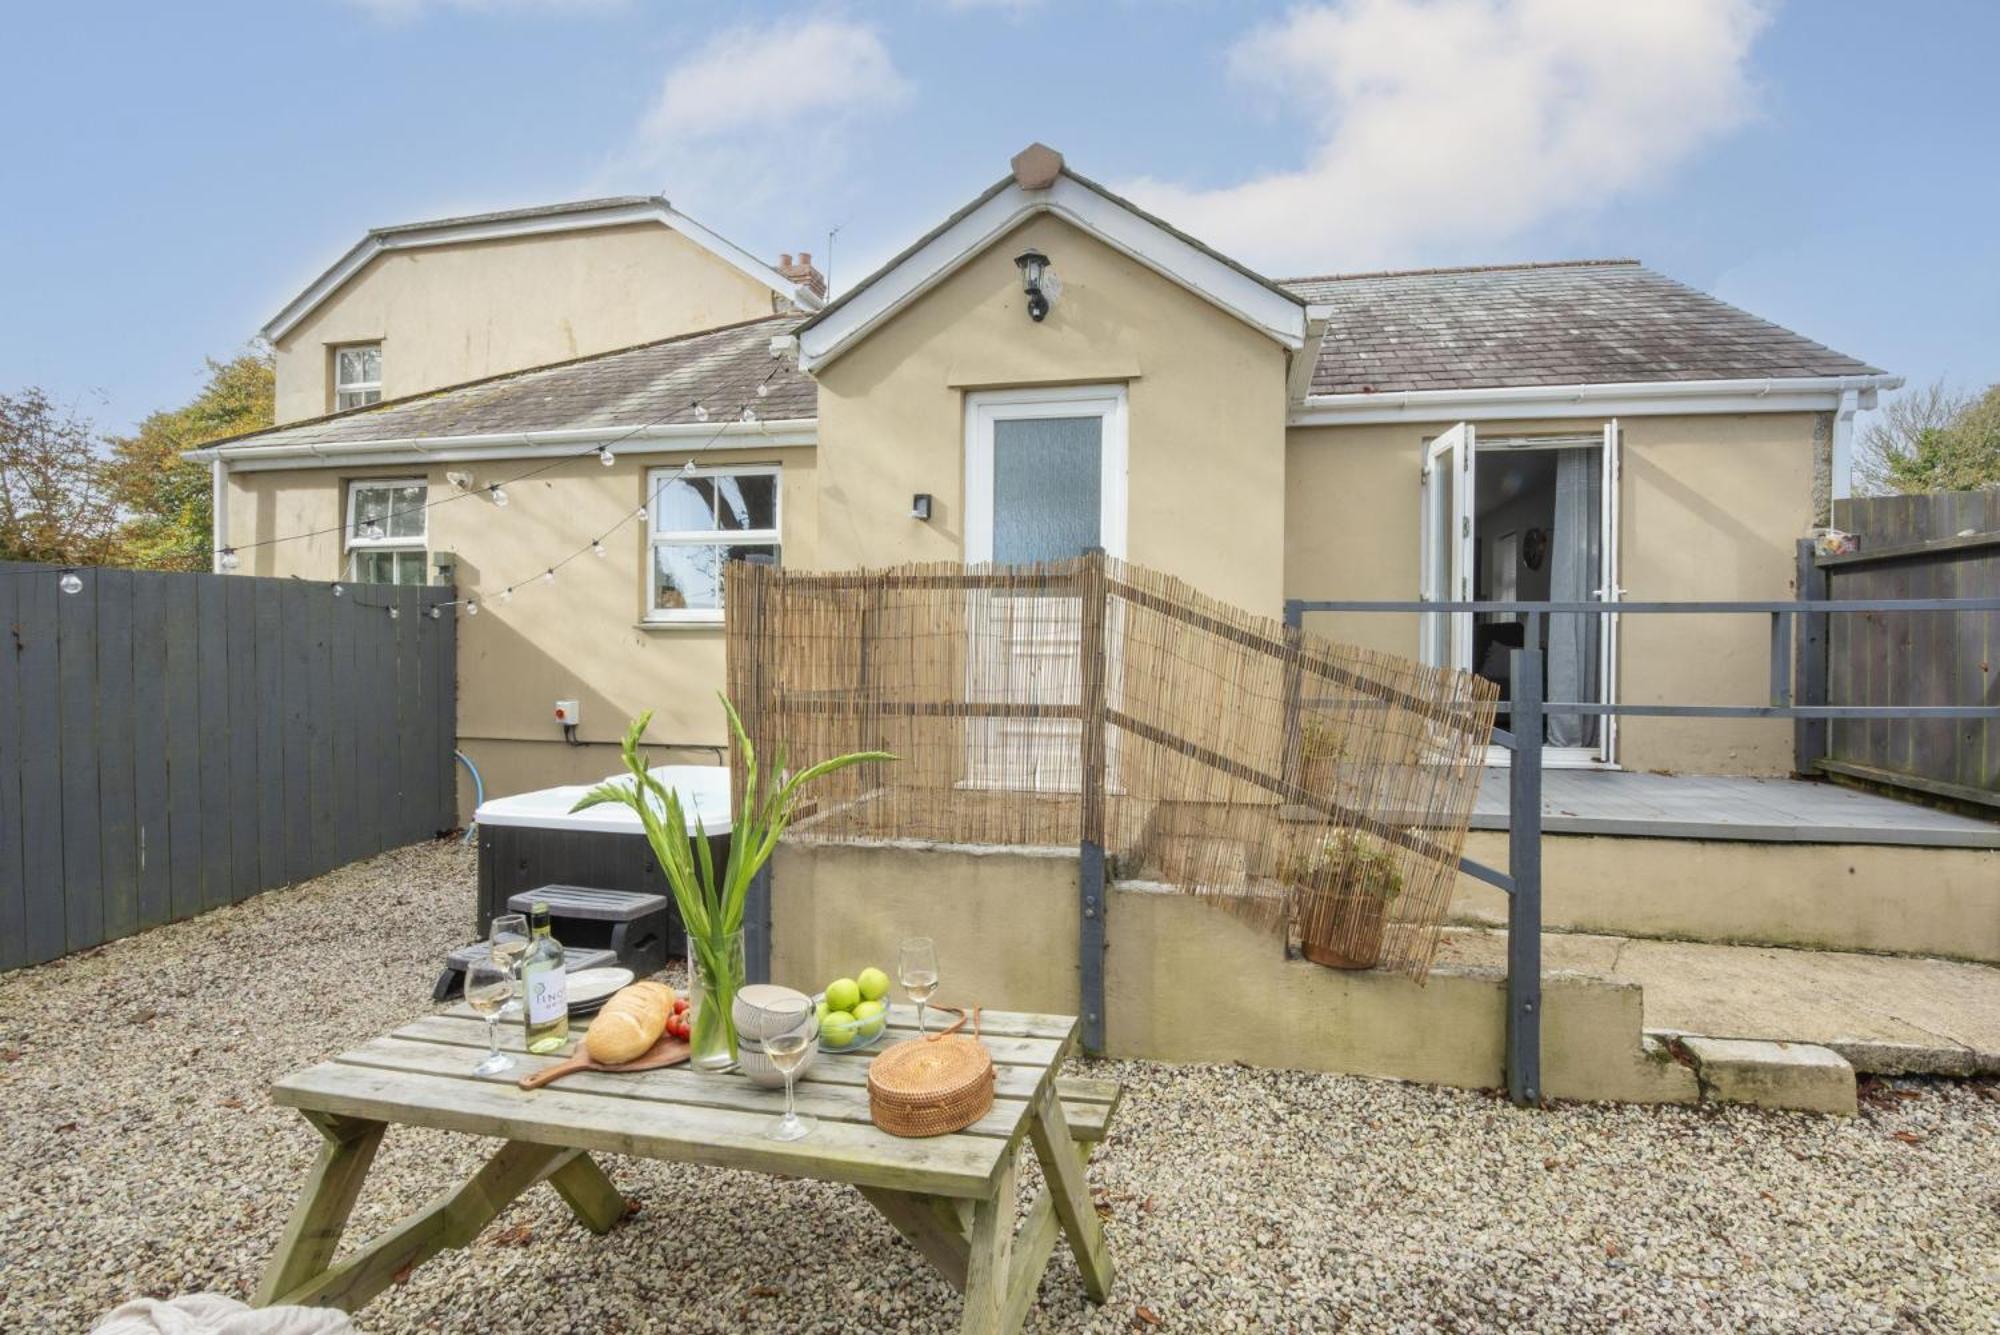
(874, 984)
(870, 1017)
(819, 1011)
(837, 1029)
(843, 994)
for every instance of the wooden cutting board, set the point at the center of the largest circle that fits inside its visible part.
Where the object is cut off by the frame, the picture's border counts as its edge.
(666, 1052)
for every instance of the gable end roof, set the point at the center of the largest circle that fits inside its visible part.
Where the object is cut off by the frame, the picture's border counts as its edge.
(542, 220)
(1249, 296)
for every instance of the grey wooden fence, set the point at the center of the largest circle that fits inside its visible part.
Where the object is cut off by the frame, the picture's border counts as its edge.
(1945, 545)
(171, 743)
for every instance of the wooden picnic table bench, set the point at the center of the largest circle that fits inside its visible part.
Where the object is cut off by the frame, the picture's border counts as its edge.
(952, 1197)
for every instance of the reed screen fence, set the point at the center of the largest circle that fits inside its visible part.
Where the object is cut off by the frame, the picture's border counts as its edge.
(1316, 789)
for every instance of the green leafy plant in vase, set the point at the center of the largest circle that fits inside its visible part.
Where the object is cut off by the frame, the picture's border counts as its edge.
(711, 903)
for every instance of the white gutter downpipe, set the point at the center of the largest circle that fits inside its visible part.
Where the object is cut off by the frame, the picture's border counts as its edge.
(218, 507)
(1843, 444)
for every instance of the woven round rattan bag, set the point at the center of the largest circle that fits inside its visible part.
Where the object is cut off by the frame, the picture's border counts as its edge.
(934, 1085)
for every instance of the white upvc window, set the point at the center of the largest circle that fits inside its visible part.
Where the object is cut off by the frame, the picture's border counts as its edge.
(357, 375)
(387, 527)
(699, 520)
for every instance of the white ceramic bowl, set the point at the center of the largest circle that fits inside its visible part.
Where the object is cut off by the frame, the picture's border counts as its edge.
(750, 1022)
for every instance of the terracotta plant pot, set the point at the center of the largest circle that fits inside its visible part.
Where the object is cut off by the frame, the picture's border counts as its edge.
(1360, 947)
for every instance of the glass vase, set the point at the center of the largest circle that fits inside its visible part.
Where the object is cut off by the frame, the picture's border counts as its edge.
(715, 974)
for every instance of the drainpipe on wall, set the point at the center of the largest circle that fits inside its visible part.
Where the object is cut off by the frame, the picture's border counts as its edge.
(218, 506)
(1843, 444)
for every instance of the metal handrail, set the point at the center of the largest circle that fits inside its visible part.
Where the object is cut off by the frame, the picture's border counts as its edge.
(1522, 881)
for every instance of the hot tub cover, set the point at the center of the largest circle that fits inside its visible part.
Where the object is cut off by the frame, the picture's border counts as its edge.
(703, 789)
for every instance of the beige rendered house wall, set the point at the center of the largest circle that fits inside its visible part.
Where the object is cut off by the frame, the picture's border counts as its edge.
(1710, 507)
(448, 314)
(580, 638)
(1205, 413)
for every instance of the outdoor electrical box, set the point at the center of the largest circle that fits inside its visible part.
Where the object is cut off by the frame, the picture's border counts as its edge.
(568, 713)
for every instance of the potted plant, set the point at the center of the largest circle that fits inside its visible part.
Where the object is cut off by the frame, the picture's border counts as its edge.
(1322, 738)
(711, 904)
(1344, 884)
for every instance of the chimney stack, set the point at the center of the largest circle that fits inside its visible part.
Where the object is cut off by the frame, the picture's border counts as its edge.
(802, 272)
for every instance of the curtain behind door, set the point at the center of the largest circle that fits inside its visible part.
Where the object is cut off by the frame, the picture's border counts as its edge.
(1574, 565)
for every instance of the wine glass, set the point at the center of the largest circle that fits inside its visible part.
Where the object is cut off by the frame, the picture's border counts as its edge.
(487, 987)
(917, 967)
(509, 942)
(790, 1026)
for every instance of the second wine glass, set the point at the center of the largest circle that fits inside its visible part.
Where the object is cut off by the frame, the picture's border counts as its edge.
(917, 969)
(790, 1027)
(487, 987)
(508, 943)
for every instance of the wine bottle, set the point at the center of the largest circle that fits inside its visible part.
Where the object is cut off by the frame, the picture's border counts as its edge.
(544, 987)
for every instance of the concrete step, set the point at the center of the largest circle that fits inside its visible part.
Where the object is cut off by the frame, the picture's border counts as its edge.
(1800, 1076)
(1884, 1014)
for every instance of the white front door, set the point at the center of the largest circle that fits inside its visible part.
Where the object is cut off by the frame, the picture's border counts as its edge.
(1044, 481)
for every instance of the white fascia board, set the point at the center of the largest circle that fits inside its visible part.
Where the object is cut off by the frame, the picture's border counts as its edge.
(1280, 317)
(500, 229)
(1298, 380)
(680, 437)
(1635, 399)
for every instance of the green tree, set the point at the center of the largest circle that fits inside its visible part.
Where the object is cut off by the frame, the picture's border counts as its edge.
(166, 500)
(55, 496)
(1933, 439)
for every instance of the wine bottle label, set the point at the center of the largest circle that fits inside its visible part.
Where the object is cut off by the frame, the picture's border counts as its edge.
(548, 996)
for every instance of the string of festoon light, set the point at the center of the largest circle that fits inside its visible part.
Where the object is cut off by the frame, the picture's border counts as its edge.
(229, 559)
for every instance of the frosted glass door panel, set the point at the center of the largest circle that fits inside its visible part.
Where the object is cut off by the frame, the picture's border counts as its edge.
(1047, 485)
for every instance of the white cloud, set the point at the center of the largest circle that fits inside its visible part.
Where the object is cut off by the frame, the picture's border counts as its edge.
(1439, 123)
(761, 112)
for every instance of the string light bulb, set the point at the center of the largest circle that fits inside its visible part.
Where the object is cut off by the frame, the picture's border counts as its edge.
(605, 456)
(338, 590)
(763, 390)
(395, 613)
(435, 612)
(507, 595)
(499, 495)
(549, 576)
(700, 413)
(71, 582)
(229, 560)
(597, 549)
(471, 608)
(748, 414)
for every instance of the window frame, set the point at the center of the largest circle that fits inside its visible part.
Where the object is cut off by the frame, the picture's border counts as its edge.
(657, 480)
(355, 544)
(362, 387)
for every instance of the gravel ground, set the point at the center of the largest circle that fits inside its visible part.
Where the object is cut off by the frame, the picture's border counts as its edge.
(140, 1156)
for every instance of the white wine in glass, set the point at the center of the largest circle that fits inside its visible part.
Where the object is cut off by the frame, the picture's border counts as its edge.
(917, 968)
(487, 987)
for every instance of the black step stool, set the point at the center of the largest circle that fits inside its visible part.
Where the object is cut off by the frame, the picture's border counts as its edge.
(631, 924)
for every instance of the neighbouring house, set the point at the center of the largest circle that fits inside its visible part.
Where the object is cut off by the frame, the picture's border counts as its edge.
(1582, 429)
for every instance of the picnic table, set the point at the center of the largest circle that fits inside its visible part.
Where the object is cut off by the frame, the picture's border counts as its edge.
(952, 1197)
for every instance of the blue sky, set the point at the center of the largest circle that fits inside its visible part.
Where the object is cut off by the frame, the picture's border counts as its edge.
(173, 174)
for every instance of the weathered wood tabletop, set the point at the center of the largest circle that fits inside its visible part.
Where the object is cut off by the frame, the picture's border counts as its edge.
(952, 1197)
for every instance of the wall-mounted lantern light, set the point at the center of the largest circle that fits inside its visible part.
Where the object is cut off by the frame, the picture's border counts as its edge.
(1033, 265)
(920, 506)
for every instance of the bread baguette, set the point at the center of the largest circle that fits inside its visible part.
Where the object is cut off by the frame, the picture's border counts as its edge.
(629, 1023)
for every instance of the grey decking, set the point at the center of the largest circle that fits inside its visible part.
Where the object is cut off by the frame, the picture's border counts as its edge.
(1714, 806)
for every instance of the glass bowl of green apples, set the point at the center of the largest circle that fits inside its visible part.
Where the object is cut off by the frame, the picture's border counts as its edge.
(853, 1011)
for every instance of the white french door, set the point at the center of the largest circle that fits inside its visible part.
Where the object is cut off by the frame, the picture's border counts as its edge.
(1451, 540)
(1045, 480)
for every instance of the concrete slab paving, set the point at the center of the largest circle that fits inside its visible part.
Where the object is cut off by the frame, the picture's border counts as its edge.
(1886, 1014)
(1801, 1076)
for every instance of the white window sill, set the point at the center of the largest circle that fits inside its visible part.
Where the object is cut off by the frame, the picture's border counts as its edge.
(703, 623)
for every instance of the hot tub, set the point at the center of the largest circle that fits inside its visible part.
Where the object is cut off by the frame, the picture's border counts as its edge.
(533, 839)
